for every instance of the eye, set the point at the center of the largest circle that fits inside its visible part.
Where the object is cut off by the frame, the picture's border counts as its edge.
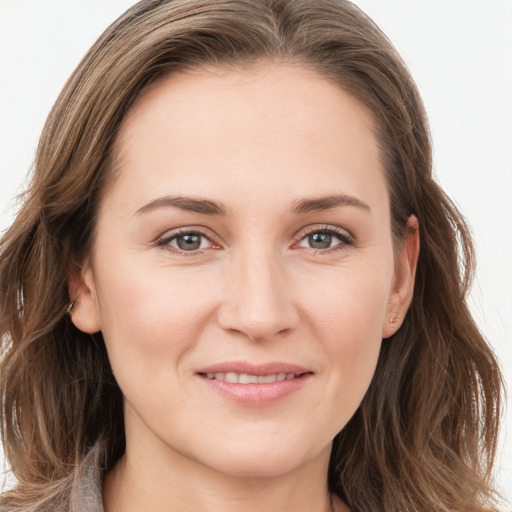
(181, 241)
(326, 239)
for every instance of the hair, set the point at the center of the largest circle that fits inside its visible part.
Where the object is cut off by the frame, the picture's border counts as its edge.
(424, 436)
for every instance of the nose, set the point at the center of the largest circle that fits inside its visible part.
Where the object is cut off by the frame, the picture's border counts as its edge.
(258, 297)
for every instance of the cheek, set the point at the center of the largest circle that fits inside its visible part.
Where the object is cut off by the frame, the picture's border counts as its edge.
(348, 316)
(350, 303)
(150, 318)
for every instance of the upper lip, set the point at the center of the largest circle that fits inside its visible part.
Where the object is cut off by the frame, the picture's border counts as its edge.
(255, 369)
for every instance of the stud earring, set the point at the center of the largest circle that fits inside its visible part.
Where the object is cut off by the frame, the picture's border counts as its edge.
(394, 319)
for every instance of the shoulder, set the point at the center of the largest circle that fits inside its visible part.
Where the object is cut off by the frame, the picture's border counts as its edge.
(80, 491)
(86, 494)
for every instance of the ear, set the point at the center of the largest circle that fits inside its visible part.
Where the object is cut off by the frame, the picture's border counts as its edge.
(85, 313)
(403, 285)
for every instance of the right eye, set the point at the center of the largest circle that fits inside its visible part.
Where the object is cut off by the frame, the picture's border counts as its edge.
(185, 241)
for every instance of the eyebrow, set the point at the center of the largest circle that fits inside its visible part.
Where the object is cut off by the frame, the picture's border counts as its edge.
(190, 204)
(323, 203)
(209, 207)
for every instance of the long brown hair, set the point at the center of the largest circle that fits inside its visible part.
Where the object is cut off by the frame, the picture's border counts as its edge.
(424, 437)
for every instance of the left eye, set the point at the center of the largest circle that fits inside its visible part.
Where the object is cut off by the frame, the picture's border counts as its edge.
(324, 239)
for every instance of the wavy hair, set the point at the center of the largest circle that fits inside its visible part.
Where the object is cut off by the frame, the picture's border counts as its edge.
(425, 435)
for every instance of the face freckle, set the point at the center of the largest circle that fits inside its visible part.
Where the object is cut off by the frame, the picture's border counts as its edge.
(246, 236)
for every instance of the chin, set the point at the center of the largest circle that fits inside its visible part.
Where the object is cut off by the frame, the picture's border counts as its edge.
(259, 466)
(261, 459)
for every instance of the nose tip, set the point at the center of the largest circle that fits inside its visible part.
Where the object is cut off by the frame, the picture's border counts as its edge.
(258, 302)
(257, 323)
(258, 329)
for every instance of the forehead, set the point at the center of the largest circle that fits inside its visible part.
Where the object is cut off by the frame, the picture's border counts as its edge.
(225, 131)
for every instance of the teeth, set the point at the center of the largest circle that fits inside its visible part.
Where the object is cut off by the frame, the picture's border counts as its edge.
(245, 378)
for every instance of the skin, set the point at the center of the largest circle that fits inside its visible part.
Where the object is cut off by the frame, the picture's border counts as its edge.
(260, 288)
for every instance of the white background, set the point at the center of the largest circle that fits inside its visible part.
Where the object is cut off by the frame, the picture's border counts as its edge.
(459, 51)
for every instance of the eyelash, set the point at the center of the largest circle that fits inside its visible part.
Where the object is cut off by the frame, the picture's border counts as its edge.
(346, 240)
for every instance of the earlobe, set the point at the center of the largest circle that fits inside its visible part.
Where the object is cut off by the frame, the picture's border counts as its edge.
(405, 273)
(84, 310)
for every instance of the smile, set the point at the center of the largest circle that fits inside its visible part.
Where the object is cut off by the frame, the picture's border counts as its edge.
(251, 384)
(246, 378)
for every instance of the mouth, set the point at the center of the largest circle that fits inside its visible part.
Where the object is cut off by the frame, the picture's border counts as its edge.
(247, 378)
(255, 385)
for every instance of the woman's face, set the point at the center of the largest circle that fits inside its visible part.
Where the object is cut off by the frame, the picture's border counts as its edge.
(243, 273)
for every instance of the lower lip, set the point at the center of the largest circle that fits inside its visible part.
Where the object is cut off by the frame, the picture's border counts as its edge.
(256, 394)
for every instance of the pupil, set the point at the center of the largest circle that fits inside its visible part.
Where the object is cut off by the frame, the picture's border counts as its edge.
(320, 240)
(189, 242)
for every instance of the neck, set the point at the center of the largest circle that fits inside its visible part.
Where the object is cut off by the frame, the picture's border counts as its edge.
(157, 482)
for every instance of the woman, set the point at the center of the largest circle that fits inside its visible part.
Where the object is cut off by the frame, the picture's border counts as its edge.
(235, 285)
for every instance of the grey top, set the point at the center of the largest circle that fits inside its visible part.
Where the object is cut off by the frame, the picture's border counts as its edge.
(87, 485)
(82, 491)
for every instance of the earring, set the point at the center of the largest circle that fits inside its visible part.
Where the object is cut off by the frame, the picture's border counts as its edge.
(70, 307)
(394, 319)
